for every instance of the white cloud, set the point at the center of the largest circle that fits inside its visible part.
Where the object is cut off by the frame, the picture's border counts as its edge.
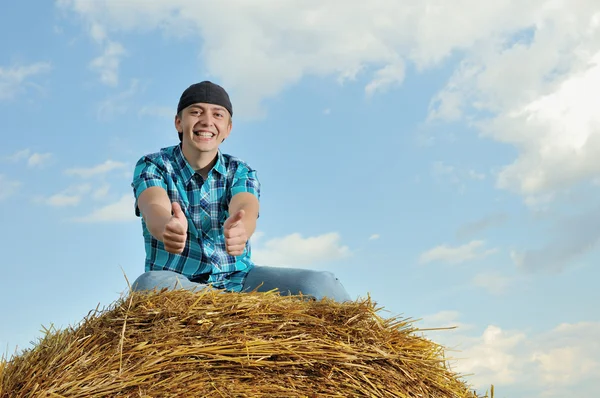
(295, 250)
(61, 200)
(107, 64)
(120, 211)
(492, 282)
(385, 77)
(443, 319)
(374, 237)
(33, 159)
(39, 159)
(547, 363)
(569, 354)
(456, 255)
(98, 33)
(256, 237)
(20, 155)
(101, 192)
(492, 357)
(97, 170)
(72, 196)
(532, 67)
(14, 79)
(476, 175)
(8, 187)
(279, 46)
(558, 136)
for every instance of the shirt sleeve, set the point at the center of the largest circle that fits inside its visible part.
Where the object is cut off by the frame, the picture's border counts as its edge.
(146, 174)
(245, 180)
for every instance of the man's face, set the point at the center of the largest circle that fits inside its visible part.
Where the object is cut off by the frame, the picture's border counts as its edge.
(203, 126)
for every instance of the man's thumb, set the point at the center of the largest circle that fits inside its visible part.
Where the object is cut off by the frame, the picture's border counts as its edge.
(177, 212)
(236, 218)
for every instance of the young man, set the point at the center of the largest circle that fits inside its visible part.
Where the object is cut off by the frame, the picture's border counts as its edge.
(199, 208)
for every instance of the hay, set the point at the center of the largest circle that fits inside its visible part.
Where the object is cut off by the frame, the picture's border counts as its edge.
(209, 344)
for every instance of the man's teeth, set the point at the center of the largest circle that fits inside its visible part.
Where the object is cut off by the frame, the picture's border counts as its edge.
(203, 134)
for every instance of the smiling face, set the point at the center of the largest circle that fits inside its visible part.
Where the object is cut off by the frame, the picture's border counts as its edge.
(202, 127)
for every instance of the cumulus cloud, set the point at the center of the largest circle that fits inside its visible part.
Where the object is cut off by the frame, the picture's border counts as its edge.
(385, 78)
(492, 282)
(33, 159)
(558, 135)
(456, 254)
(107, 64)
(296, 250)
(98, 170)
(101, 192)
(72, 196)
(8, 187)
(119, 211)
(19, 155)
(39, 159)
(15, 79)
(547, 363)
(523, 74)
(533, 67)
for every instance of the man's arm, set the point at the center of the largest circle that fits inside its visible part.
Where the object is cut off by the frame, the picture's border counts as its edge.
(155, 207)
(249, 203)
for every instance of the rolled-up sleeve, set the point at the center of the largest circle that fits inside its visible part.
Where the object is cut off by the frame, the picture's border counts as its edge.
(245, 180)
(146, 174)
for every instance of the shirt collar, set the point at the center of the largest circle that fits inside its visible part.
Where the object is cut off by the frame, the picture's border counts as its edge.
(187, 171)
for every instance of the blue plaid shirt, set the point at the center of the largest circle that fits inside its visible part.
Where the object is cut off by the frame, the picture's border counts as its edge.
(205, 204)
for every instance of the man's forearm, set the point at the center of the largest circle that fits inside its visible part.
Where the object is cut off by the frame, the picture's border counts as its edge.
(156, 217)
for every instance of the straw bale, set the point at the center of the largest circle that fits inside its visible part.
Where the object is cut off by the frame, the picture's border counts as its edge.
(209, 344)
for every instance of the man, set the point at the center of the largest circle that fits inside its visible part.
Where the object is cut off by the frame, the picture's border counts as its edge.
(199, 208)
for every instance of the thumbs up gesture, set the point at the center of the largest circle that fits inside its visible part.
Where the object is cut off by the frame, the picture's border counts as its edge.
(175, 232)
(235, 234)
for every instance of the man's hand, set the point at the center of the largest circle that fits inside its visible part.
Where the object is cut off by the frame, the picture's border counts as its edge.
(175, 232)
(235, 234)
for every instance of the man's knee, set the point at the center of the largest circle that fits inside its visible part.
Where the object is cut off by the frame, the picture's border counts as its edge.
(321, 284)
(151, 280)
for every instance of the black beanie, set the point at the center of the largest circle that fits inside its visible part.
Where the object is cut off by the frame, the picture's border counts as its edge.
(206, 92)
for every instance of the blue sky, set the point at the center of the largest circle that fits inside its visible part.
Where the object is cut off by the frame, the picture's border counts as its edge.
(446, 168)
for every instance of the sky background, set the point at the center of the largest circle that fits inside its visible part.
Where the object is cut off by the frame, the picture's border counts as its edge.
(440, 158)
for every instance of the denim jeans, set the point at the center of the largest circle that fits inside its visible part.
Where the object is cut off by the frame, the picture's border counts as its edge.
(318, 284)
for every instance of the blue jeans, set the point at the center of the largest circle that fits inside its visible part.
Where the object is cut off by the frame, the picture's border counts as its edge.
(318, 284)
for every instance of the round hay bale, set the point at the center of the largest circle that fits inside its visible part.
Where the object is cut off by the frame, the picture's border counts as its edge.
(211, 344)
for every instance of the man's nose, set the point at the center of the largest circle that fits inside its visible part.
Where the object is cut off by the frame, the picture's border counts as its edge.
(206, 119)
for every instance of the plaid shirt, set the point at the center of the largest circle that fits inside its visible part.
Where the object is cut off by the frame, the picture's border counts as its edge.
(205, 204)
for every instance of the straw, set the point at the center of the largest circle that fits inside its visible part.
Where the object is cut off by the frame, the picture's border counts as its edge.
(208, 344)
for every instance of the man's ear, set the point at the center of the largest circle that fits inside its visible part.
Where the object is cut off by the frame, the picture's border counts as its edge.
(177, 123)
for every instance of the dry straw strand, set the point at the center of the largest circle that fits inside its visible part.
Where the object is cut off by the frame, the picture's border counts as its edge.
(214, 344)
